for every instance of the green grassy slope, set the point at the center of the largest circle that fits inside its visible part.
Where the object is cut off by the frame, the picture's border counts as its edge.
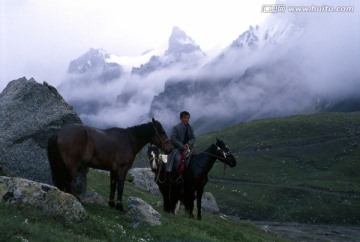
(300, 168)
(105, 224)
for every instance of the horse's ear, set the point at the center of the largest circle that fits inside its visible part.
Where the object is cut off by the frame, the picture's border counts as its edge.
(217, 140)
(153, 120)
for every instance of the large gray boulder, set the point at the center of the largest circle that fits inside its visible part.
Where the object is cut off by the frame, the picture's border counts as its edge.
(141, 213)
(144, 179)
(208, 203)
(23, 192)
(29, 114)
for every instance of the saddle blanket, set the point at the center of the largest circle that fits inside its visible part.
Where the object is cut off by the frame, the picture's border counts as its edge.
(163, 158)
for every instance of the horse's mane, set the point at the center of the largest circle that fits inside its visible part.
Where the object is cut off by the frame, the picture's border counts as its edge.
(144, 129)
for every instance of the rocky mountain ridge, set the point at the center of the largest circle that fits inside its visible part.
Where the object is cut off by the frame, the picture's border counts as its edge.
(96, 62)
(261, 74)
(270, 70)
(181, 49)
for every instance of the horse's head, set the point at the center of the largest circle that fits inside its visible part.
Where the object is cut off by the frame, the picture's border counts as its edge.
(153, 155)
(223, 151)
(160, 138)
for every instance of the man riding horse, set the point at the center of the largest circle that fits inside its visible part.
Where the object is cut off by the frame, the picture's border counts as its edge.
(183, 140)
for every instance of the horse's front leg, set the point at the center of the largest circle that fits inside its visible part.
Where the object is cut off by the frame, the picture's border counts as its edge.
(189, 197)
(113, 182)
(70, 183)
(174, 189)
(121, 175)
(191, 209)
(164, 189)
(120, 190)
(199, 194)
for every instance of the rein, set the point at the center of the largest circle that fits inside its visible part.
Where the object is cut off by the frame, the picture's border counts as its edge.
(158, 176)
(218, 157)
(158, 135)
(160, 167)
(153, 158)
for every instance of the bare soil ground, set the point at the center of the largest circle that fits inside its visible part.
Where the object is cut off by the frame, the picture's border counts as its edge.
(311, 232)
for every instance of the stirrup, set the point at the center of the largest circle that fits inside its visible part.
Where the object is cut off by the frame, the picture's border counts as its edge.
(187, 153)
(179, 180)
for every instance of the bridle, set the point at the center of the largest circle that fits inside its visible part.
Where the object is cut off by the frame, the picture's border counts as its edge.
(160, 167)
(222, 159)
(225, 154)
(153, 157)
(158, 135)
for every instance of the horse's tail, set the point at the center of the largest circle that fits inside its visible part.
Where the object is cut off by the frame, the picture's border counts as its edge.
(58, 168)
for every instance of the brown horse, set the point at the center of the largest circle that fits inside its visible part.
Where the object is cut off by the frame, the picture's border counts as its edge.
(114, 149)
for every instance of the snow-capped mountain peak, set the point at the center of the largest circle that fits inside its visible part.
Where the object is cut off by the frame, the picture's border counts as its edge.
(92, 59)
(182, 50)
(278, 30)
(96, 62)
(180, 43)
(249, 38)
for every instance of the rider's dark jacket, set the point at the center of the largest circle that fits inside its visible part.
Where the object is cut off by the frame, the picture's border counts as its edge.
(178, 135)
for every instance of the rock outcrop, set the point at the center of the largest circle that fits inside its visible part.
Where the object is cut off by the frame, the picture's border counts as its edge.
(208, 203)
(182, 50)
(23, 192)
(141, 213)
(97, 64)
(29, 114)
(90, 196)
(143, 178)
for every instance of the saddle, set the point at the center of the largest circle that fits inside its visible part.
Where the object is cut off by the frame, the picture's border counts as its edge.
(173, 160)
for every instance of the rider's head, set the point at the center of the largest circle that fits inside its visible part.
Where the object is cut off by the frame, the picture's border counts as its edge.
(185, 117)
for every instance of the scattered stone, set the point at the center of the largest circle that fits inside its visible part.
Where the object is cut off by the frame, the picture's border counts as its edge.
(91, 196)
(208, 203)
(23, 192)
(143, 178)
(141, 213)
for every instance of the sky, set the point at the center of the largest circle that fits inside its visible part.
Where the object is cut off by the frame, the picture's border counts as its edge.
(309, 56)
(38, 38)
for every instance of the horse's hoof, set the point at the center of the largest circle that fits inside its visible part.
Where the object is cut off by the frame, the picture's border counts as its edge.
(112, 204)
(120, 207)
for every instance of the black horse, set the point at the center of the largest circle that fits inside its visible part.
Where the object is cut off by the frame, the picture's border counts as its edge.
(170, 191)
(75, 146)
(195, 177)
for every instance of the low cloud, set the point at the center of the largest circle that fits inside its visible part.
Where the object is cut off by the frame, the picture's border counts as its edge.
(311, 58)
